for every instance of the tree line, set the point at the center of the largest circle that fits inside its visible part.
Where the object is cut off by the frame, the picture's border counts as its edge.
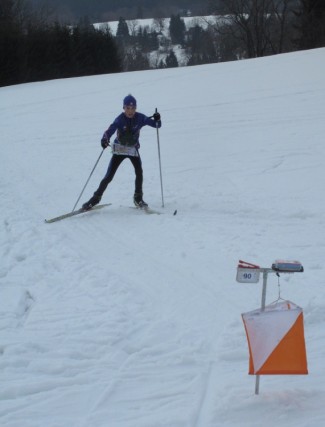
(255, 28)
(148, 47)
(238, 29)
(32, 49)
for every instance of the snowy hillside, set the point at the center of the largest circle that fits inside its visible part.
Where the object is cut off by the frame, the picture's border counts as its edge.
(115, 318)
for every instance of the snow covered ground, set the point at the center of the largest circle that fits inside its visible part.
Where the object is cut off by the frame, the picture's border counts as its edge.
(115, 318)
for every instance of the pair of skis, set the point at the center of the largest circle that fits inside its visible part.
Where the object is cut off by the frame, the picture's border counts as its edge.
(147, 210)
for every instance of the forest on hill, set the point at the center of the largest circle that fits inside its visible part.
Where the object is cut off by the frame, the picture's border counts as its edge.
(36, 45)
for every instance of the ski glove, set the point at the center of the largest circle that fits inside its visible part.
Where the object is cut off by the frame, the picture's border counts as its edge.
(156, 117)
(104, 142)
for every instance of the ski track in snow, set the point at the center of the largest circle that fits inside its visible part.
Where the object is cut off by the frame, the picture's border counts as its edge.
(118, 318)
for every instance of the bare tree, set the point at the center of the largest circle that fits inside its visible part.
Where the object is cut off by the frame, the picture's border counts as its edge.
(280, 26)
(133, 27)
(158, 25)
(259, 26)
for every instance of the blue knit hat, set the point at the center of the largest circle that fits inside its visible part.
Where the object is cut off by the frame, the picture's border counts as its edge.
(129, 101)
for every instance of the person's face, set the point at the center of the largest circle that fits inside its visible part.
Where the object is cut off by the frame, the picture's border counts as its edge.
(129, 111)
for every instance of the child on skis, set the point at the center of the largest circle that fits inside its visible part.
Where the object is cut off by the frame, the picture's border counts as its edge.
(125, 146)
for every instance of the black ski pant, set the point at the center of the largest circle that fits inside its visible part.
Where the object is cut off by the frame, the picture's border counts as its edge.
(114, 164)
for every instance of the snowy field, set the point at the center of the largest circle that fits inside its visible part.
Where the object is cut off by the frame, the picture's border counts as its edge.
(116, 318)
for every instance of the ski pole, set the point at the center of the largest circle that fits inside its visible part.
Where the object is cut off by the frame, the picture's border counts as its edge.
(161, 182)
(88, 179)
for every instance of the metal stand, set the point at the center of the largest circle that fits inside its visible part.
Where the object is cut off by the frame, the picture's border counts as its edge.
(249, 273)
(265, 272)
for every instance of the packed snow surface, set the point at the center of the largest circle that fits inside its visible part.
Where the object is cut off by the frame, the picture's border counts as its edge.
(115, 318)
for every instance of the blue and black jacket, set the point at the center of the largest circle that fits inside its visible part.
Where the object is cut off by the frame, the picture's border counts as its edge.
(128, 130)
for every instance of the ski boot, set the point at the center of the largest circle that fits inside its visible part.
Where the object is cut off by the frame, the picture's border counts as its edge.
(139, 202)
(94, 200)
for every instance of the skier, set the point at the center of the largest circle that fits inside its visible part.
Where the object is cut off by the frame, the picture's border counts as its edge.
(125, 146)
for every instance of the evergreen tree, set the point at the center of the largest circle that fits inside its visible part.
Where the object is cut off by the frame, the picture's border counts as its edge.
(60, 55)
(171, 60)
(11, 43)
(136, 60)
(177, 29)
(94, 52)
(148, 41)
(201, 47)
(32, 50)
(122, 29)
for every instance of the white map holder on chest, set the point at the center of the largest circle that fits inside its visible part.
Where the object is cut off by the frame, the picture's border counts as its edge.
(124, 150)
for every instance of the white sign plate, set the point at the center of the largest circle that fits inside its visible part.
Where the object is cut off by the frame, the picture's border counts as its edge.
(248, 275)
